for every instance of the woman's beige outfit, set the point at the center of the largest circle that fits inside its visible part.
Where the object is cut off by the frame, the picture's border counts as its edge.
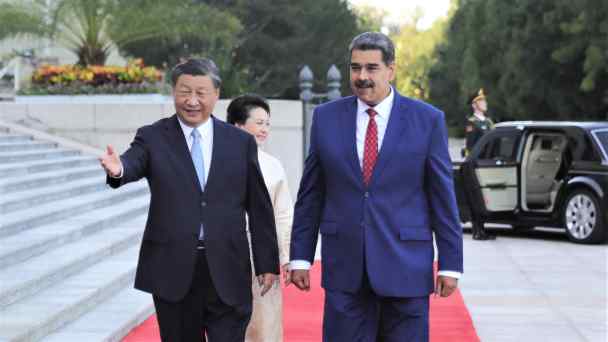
(266, 323)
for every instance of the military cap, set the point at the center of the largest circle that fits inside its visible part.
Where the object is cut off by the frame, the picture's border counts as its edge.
(479, 95)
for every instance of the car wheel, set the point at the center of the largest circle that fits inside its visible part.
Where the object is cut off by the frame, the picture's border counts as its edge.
(583, 217)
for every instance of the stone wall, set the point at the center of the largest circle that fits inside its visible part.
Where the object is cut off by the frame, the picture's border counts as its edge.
(100, 122)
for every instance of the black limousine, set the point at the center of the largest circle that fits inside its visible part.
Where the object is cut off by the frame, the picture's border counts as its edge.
(531, 173)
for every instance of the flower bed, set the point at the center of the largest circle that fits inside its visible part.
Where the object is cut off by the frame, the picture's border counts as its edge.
(134, 78)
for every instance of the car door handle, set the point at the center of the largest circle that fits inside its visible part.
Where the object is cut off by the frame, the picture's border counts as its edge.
(497, 185)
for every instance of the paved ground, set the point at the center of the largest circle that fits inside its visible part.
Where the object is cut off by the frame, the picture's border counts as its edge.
(536, 287)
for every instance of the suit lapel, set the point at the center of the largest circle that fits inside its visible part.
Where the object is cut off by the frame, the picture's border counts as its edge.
(394, 133)
(180, 152)
(349, 137)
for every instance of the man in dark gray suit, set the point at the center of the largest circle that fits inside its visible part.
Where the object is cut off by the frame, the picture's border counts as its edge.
(204, 178)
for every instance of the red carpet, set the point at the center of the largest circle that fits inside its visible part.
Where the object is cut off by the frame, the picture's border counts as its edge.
(303, 315)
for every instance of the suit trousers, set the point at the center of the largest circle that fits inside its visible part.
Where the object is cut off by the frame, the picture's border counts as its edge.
(201, 315)
(367, 317)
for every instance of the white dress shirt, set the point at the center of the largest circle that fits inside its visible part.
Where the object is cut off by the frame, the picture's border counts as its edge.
(206, 144)
(383, 109)
(384, 112)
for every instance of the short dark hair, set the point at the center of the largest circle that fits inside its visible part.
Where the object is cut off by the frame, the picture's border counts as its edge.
(197, 67)
(374, 41)
(240, 107)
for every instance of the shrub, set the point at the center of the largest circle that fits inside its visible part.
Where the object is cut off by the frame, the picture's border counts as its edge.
(95, 79)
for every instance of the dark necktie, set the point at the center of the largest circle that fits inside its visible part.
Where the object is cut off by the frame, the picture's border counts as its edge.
(370, 151)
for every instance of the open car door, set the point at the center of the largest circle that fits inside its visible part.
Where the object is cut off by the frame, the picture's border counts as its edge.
(493, 173)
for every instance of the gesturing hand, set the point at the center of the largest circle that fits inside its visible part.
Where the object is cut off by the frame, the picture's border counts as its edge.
(110, 161)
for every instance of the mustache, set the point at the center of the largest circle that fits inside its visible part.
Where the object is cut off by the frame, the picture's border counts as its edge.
(364, 83)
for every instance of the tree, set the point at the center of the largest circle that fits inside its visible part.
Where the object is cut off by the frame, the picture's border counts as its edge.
(281, 36)
(538, 59)
(415, 56)
(91, 28)
(585, 44)
(277, 39)
(369, 17)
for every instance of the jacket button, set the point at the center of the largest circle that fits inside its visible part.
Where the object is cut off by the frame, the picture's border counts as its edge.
(366, 194)
(203, 204)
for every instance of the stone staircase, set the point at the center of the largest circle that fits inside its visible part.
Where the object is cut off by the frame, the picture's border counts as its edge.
(68, 245)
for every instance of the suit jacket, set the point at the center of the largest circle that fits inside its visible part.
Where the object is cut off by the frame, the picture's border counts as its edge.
(385, 228)
(234, 187)
(278, 189)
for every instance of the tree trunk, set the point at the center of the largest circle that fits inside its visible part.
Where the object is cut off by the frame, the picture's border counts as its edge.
(91, 55)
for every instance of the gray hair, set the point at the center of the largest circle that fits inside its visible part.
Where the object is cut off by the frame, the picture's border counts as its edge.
(374, 41)
(197, 67)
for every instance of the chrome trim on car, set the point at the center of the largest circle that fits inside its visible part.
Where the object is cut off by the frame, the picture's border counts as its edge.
(600, 145)
(589, 182)
(599, 173)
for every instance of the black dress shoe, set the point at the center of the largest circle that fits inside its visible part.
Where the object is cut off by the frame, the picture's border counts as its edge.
(484, 236)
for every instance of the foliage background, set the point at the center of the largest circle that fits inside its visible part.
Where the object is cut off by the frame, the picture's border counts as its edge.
(536, 59)
(277, 39)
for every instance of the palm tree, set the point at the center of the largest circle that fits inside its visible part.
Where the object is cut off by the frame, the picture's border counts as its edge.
(92, 28)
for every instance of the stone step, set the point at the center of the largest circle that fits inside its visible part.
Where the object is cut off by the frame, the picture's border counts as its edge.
(38, 196)
(11, 157)
(21, 220)
(69, 298)
(11, 169)
(30, 243)
(7, 137)
(49, 178)
(22, 280)
(26, 146)
(111, 320)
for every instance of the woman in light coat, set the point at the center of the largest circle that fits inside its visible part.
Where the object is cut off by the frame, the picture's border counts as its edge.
(252, 113)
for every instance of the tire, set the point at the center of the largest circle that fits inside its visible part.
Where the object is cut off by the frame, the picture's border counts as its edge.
(583, 217)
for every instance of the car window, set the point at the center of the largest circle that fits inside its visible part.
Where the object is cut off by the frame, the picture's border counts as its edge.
(581, 147)
(589, 153)
(502, 147)
(602, 137)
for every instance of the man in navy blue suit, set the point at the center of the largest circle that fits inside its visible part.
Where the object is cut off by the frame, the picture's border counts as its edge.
(204, 177)
(377, 184)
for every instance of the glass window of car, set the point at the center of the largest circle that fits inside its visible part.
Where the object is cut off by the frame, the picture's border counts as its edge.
(589, 153)
(502, 147)
(581, 147)
(602, 137)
